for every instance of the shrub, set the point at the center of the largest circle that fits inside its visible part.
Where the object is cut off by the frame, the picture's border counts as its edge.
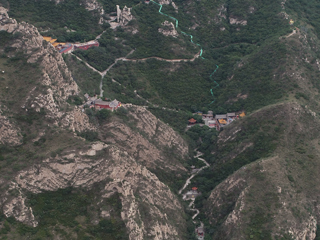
(103, 114)
(291, 179)
(89, 135)
(75, 99)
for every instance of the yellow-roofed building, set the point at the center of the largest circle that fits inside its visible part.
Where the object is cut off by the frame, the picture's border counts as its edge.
(54, 42)
(222, 121)
(48, 39)
(242, 114)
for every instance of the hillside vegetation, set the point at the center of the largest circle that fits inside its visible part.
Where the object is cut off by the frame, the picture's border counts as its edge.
(57, 20)
(262, 180)
(235, 48)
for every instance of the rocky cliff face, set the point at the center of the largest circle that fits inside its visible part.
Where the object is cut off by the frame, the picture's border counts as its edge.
(168, 29)
(56, 77)
(9, 132)
(245, 193)
(140, 190)
(6, 23)
(147, 139)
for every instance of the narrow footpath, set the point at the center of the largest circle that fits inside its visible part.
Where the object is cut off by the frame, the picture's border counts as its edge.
(184, 196)
(126, 59)
(164, 59)
(199, 154)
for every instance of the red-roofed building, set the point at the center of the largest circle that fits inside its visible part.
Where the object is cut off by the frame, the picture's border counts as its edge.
(87, 45)
(113, 105)
(66, 48)
(192, 121)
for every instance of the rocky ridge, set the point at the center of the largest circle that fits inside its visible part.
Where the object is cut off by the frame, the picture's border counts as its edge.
(120, 172)
(55, 74)
(147, 140)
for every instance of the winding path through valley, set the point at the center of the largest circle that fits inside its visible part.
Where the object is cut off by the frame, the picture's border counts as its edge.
(193, 175)
(188, 181)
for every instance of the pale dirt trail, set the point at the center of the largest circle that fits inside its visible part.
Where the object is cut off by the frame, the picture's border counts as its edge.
(87, 64)
(166, 60)
(115, 62)
(125, 59)
(188, 181)
(193, 175)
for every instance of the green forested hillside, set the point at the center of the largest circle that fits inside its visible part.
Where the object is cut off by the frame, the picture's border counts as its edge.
(231, 48)
(53, 18)
(262, 180)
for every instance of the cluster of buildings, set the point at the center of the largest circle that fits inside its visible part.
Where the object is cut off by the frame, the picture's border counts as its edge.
(98, 103)
(217, 121)
(69, 47)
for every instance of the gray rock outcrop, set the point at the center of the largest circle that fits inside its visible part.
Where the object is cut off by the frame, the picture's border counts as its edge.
(122, 173)
(124, 16)
(234, 20)
(149, 141)
(6, 23)
(168, 29)
(9, 132)
(94, 5)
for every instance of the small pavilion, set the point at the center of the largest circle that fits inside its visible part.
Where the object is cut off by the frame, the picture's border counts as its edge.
(192, 121)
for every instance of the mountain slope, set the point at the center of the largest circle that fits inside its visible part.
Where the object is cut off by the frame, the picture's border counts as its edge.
(45, 155)
(124, 169)
(274, 197)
